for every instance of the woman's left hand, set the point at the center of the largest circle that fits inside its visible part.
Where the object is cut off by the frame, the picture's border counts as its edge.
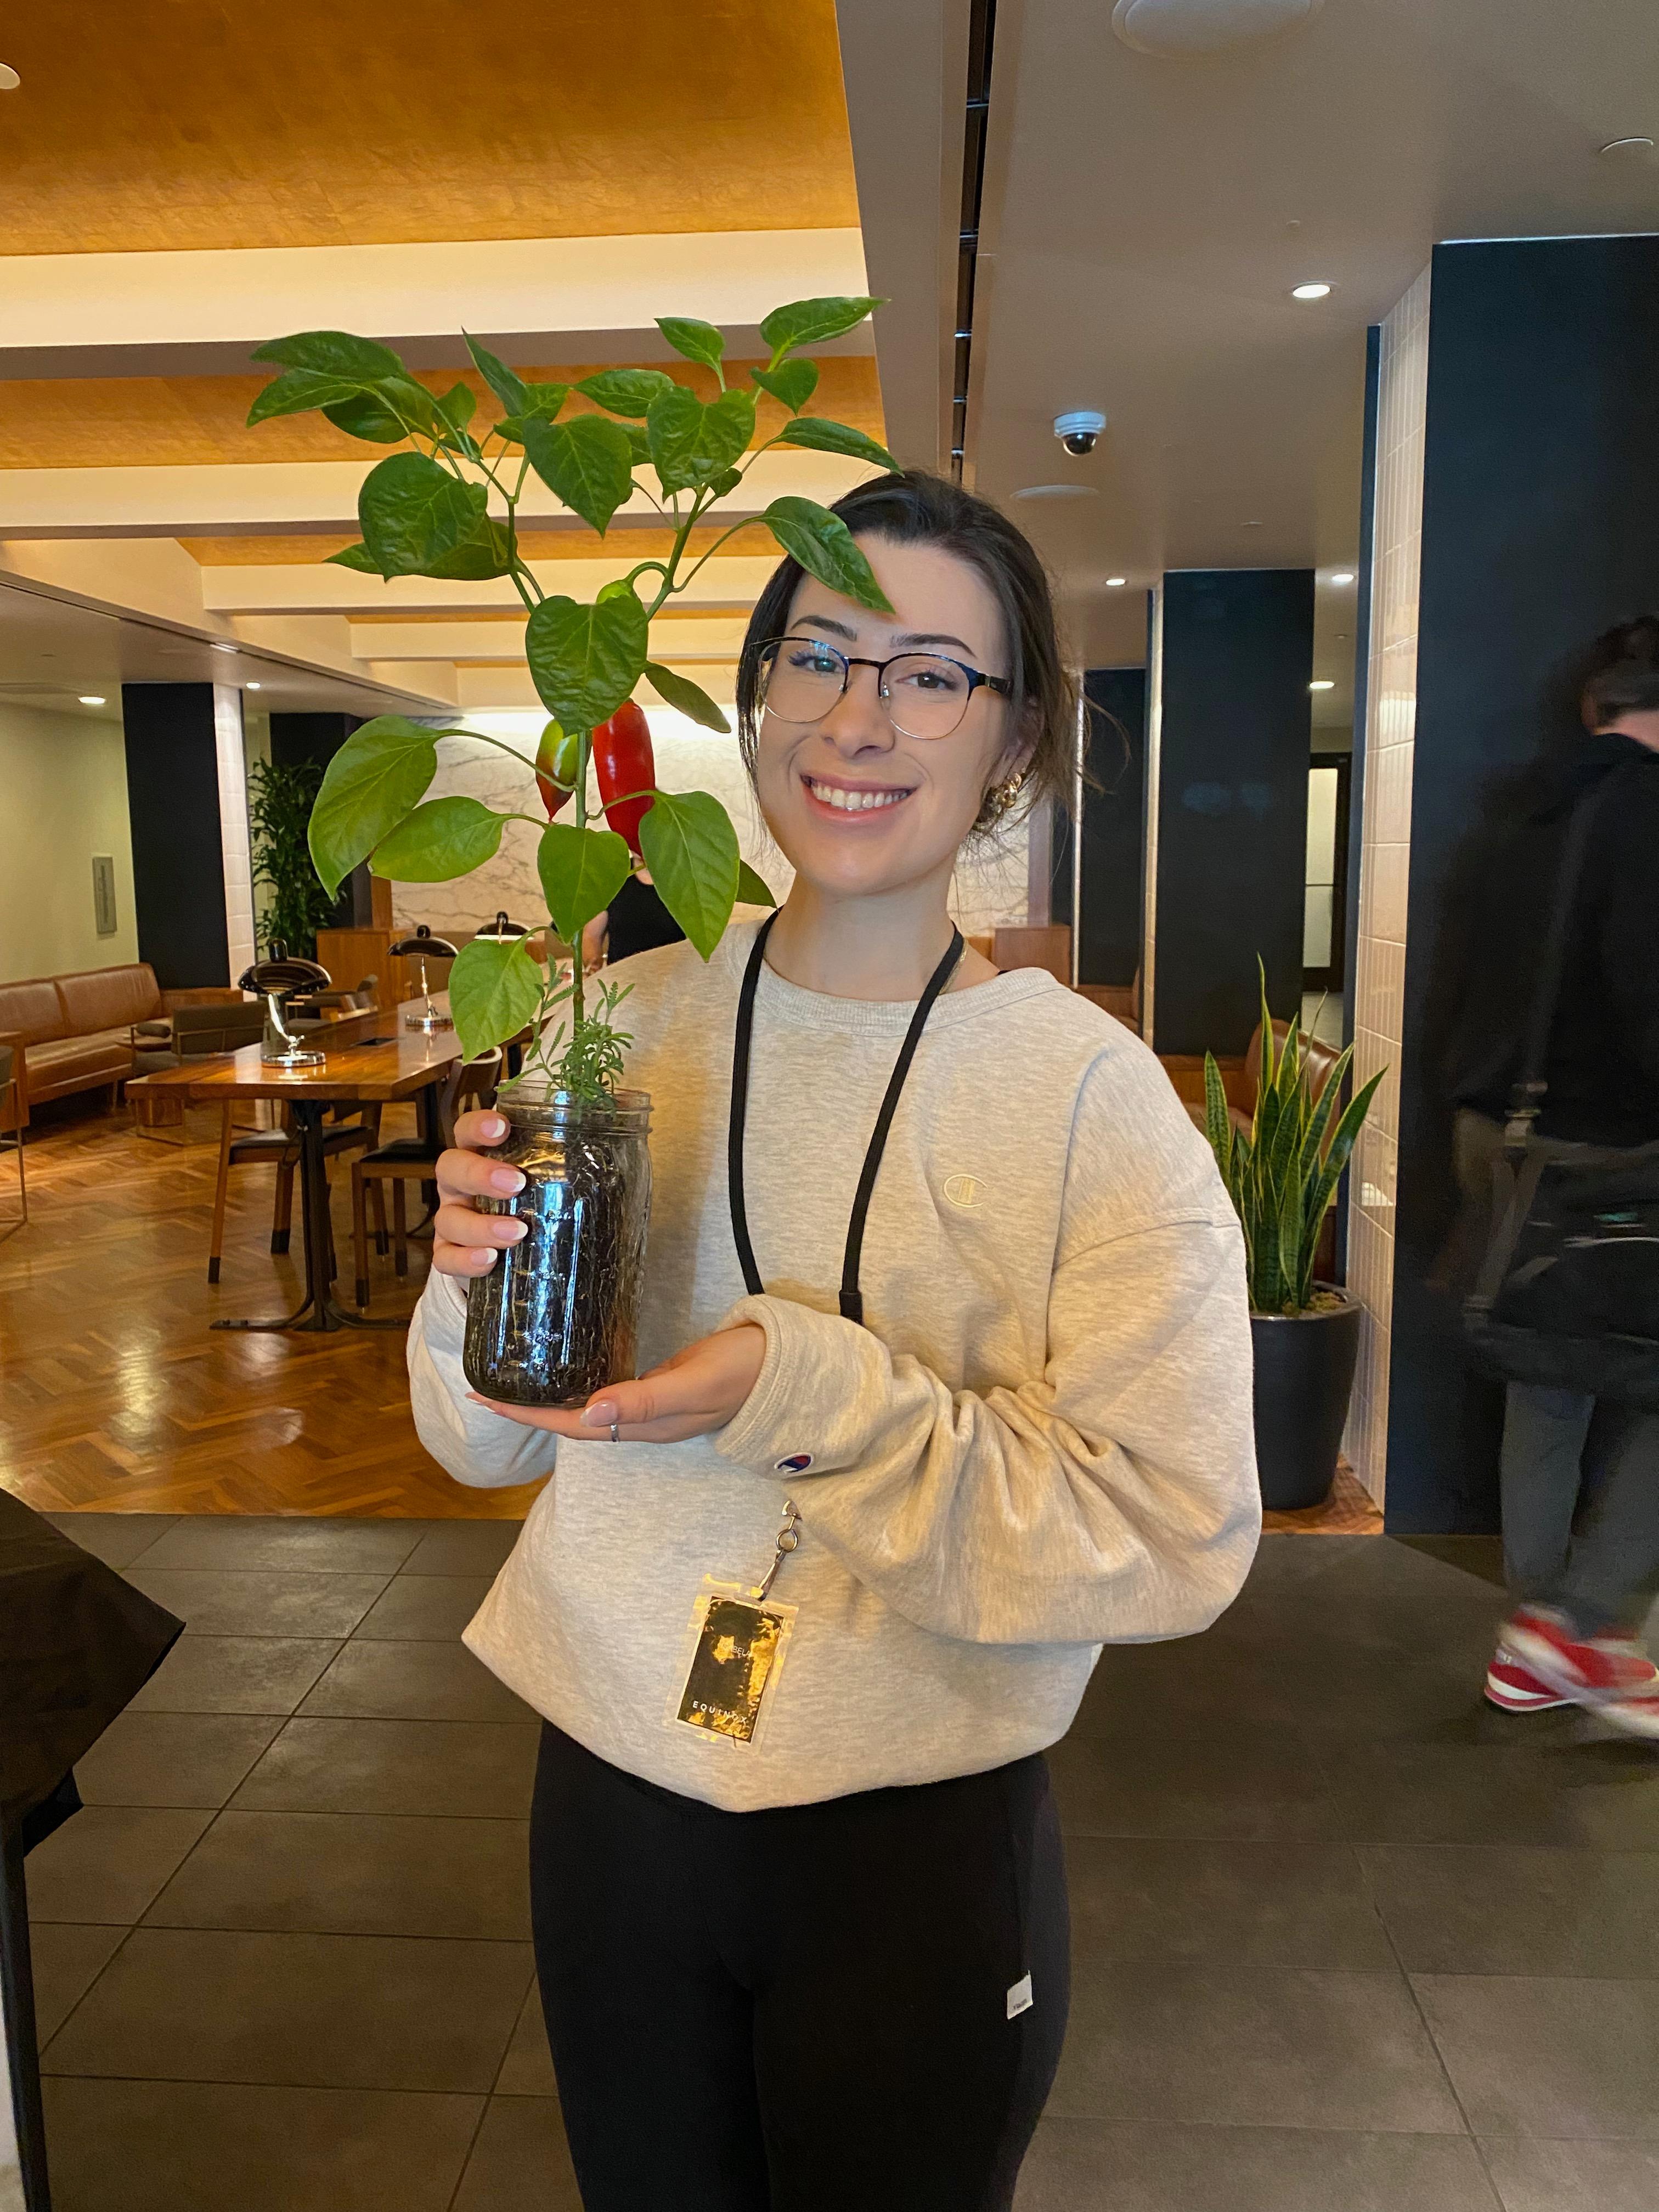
(698, 1390)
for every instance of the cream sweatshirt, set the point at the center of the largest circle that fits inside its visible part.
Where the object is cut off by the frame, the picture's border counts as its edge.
(1041, 1441)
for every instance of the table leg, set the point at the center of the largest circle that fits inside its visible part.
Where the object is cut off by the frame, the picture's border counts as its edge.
(18, 2029)
(319, 1301)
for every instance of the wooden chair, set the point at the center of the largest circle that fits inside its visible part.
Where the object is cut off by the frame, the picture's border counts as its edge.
(243, 1148)
(11, 1130)
(412, 1160)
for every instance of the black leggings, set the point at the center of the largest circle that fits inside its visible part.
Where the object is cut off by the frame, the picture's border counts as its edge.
(803, 2009)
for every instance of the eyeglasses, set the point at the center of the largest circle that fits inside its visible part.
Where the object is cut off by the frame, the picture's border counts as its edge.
(925, 694)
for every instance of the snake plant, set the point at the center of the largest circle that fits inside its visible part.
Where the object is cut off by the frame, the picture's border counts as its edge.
(1282, 1177)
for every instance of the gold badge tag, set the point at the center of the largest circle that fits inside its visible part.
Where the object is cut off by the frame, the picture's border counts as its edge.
(737, 1647)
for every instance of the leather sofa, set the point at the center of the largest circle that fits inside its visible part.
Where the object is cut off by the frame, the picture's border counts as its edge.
(74, 1033)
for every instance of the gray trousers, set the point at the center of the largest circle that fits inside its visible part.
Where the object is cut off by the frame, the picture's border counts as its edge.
(1580, 1479)
(1581, 1505)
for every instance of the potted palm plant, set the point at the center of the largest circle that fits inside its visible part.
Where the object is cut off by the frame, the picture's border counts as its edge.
(1282, 1179)
(554, 1321)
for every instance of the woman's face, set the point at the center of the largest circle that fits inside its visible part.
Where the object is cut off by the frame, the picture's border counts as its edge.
(859, 807)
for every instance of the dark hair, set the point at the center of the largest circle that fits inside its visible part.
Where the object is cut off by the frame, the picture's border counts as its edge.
(917, 508)
(1621, 671)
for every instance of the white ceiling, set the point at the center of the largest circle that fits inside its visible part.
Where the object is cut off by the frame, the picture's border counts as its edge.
(1144, 220)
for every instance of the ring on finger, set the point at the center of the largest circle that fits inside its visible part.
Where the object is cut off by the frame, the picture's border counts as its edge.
(616, 1433)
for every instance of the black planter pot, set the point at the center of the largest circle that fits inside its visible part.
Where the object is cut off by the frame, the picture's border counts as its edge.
(1305, 1366)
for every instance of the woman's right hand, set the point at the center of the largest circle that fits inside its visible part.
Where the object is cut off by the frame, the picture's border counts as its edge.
(465, 1242)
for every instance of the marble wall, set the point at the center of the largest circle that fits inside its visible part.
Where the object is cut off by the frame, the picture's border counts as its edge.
(990, 886)
(1385, 858)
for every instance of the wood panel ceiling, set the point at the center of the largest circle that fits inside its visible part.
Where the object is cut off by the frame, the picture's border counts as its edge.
(162, 124)
(202, 420)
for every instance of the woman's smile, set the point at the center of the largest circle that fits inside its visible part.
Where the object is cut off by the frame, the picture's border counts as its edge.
(845, 798)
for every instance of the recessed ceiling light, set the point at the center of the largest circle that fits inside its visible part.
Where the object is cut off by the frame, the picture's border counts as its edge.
(1323, 684)
(92, 699)
(1314, 291)
(1112, 582)
(224, 649)
(1635, 149)
(253, 687)
(1343, 576)
(1059, 491)
(9, 79)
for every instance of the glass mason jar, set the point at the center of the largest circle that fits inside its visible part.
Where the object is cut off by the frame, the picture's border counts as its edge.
(556, 1317)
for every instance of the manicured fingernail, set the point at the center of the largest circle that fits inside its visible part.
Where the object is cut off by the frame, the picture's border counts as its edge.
(484, 1257)
(493, 1126)
(513, 1229)
(507, 1179)
(600, 1416)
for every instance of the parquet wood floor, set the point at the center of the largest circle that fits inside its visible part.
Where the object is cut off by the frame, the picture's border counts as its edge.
(115, 1394)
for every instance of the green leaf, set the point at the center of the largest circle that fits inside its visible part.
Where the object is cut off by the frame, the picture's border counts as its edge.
(672, 426)
(626, 391)
(792, 382)
(812, 322)
(508, 386)
(333, 353)
(298, 392)
(728, 482)
(457, 405)
(752, 889)
(488, 552)
(494, 989)
(582, 872)
(691, 445)
(585, 660)
(639, 443)
(404, 397)
(820, 437)
(412, 512)
(696, 341)
(358, 557)
(823, 545)
(442, 838)
(1217, 1122)
(691, 849)
(542, 402)
(375, 779)
(587, 463)
(686, 697)
(368, 416)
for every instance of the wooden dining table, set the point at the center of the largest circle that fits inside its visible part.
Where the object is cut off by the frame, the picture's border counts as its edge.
(371, 1059)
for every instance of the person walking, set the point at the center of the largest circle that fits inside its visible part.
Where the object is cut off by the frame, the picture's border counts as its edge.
(960, 1383)
(1579, 1478)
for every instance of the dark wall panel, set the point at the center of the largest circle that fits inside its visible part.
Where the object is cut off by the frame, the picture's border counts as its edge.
(1539, 530)
(1113, 826)
(1232, 801)
(178, 858)
(295, 737)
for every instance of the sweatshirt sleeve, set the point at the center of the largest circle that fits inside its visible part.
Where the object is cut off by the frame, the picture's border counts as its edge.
(1113, 1500)
(478, 1448)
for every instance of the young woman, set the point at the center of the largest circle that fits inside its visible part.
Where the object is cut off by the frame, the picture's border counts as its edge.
(804, 1945)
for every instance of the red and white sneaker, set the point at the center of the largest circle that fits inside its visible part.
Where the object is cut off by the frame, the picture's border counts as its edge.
(1514, 1688)
(1611, 1675)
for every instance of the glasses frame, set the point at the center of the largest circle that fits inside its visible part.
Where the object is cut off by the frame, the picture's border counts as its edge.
(766, 655)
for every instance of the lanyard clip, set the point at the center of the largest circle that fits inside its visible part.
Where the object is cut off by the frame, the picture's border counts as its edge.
(788, 1539)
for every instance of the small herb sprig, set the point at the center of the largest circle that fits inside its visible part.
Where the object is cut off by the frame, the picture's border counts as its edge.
(590, 1066)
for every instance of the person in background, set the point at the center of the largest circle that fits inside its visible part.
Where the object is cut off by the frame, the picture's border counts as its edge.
(636, 920)
(800, 1907)
(1579, 1479)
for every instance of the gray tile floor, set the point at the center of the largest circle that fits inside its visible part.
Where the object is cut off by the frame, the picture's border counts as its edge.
(1345, 1941)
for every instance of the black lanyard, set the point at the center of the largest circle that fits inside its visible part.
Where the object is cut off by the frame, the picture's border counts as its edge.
(851, 1303)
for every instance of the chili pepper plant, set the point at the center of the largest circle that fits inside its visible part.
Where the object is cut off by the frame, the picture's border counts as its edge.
(446, 505)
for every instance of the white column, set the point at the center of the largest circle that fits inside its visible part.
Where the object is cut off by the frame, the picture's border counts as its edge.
(1385, 858)
(240, 943)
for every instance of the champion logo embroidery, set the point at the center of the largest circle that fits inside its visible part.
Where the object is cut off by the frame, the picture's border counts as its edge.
(796, 1463)
(965, 1190)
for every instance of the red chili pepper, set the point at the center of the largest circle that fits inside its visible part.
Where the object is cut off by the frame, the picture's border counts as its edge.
(623, 761)
(557, 756)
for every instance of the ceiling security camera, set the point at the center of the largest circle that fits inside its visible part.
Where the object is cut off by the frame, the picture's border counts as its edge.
(1079, 430)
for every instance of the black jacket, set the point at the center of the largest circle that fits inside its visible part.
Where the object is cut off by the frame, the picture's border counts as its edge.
(1603, 1065)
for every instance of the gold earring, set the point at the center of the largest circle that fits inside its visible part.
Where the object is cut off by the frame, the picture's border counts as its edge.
(1003, 795)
